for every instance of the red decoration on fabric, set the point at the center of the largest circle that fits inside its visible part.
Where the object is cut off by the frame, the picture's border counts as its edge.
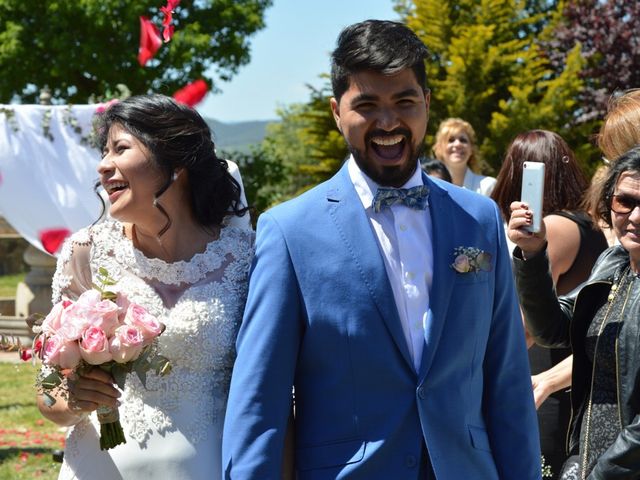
(167, 11)
(52, 238)
(192, 93)
(150, 41)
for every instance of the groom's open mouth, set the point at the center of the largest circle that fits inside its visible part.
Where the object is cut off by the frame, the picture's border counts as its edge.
(388, 147)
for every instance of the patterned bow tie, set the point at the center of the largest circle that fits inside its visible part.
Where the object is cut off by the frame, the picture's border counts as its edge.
(414, 197)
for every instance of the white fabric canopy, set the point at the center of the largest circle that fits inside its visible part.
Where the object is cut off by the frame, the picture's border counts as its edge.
(48, 169)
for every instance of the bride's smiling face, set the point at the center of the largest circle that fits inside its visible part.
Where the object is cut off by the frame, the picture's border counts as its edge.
(129, 176)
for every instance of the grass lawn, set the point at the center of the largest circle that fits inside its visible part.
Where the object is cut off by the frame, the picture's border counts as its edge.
(8, 284)
(26, 438)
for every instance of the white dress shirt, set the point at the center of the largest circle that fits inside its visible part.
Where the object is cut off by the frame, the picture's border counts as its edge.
(404, 238)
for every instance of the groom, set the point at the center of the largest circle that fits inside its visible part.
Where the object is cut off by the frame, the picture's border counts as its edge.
(392, 313)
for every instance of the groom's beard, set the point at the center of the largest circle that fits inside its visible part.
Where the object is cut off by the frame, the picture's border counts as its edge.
(393, 176)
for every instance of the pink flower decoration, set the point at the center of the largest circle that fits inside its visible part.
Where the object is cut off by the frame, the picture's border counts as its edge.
(150, 41)
(52, 238)
(104, 315)
(73, 323)
(94, 346)
(58, 351)
(126, 344)
(137, 316)
(192, 93)
(461, 264)
(53, 321)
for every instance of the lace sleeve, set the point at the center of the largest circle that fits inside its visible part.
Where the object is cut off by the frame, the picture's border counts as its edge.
(73, 270)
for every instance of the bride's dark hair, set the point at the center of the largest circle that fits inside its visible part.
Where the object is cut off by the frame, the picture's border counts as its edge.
(178, 137)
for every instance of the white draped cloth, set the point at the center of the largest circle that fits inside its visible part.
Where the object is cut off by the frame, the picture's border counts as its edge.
(48, 169)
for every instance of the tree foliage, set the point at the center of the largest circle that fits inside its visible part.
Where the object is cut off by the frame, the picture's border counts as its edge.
(81, 48)
(607, 33)
(487, 67)
(306, 142)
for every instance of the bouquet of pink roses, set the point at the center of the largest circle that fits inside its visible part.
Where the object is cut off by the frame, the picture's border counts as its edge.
(103, 329)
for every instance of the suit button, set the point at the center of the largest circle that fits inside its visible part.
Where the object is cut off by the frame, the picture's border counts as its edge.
(410, 461)
(421, 392)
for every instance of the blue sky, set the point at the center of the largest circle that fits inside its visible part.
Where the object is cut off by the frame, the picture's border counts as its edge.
(293, 50)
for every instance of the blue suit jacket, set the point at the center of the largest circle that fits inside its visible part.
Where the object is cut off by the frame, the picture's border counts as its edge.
(321, 315)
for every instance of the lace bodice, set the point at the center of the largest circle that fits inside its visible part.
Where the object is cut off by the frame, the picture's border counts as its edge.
(200, 301)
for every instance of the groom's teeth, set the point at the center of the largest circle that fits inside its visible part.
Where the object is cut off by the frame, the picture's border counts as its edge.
(387, 141)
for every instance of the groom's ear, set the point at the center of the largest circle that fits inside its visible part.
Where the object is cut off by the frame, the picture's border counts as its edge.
(335, 109)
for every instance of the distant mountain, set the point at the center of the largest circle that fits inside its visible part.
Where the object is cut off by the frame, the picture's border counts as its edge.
(238, 136)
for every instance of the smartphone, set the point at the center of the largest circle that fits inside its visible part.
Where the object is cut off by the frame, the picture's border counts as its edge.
(533, 192)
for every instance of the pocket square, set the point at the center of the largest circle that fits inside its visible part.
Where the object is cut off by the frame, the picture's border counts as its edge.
(471, 260)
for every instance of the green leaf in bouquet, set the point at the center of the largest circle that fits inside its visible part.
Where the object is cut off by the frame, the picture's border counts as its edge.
(103, 271)
(161, 365)
(53, 380)
(106, 295)
(141, 369)
(48, 399)
(97, 287)
(108, 281)
(119, 372)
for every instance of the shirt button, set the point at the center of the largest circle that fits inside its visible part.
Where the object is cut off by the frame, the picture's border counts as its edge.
(410, 275)
(410, 461)
(403, 227)
(421, 392)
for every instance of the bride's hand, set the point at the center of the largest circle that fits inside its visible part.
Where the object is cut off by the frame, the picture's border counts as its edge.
(89, 391)
(521, 217)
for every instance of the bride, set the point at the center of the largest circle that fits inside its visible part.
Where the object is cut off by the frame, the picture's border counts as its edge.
(168, 246)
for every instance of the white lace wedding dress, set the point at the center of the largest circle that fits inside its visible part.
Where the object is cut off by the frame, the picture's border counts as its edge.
(174, 426)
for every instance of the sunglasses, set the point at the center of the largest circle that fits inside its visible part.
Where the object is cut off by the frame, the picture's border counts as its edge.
(622, 204)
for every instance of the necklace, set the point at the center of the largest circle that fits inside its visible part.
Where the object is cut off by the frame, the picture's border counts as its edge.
(615, 288)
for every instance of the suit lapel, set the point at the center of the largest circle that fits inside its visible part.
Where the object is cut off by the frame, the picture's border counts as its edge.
(354, 230)
(441, 211)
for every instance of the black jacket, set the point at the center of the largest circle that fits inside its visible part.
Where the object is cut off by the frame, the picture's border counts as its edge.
(562, 322)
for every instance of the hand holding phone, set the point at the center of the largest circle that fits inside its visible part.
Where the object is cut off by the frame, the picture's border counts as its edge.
(533, 192)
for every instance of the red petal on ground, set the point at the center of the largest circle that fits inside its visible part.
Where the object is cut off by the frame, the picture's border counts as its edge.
(192, 93)
(24, 456)
(52, 238)
(150, 41)
(40, 422)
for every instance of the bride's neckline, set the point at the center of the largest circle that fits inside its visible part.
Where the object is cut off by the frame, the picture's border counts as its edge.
(189, 271)
(130, 232)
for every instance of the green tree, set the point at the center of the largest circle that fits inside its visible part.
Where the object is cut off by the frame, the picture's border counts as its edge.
(86, 47)
(306, 142)
(487, 67)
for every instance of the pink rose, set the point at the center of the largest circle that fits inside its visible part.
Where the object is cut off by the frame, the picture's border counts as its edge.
(94, 346)
(104, 315)
(89, 298)
(149, 325)
(74, 321)
(126, 343)
(60, 352)
(53, 320)
(123, 304)
(461, 264)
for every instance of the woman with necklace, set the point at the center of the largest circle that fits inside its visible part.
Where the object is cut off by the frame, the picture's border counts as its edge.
(600, 320)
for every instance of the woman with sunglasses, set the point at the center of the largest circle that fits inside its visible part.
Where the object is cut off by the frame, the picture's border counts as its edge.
(600, 320)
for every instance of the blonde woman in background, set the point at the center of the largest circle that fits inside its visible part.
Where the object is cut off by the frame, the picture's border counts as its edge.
(621, 128)
(455, 146)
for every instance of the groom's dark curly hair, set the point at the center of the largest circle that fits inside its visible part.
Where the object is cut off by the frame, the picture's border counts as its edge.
(379, 45)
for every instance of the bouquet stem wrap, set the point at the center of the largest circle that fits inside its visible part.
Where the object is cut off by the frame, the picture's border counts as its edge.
(111, 433)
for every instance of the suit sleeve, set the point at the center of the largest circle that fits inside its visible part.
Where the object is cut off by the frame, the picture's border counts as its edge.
(508, 404)
(259, 401)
